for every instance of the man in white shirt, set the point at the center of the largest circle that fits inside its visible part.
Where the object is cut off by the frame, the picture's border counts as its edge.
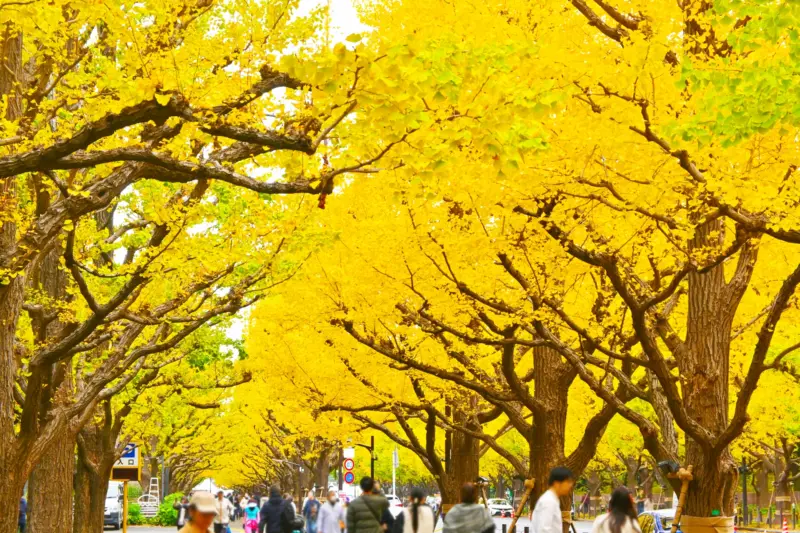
(547, 513)
(224, 509)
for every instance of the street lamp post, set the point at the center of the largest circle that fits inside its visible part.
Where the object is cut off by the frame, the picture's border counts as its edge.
(371, 448)
(744, 470)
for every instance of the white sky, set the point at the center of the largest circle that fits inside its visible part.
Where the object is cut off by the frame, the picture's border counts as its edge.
(344, 17)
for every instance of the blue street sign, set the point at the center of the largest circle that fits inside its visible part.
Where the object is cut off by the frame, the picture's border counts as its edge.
(130, 452)
(349, 477)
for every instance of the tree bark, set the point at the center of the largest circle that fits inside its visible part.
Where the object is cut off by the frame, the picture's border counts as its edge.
(552, 378)
(11, 296)
(465, 454)
(96, 456)
(704, 366)
(322, 470)
(50, 488)
(50, 484)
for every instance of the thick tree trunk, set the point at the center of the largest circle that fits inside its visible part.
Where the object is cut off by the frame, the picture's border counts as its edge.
(322, 471)
(93, 470)
(465, 453)
(11, 296)
(90, 499)
(761, 485)
(462, 453)
(704, 366)
(50, 488)
(551, 383)
(552, 379)
(50, 484)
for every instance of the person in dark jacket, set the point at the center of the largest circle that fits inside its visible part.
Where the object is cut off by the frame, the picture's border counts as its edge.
(365, 512)
(23, 515)
(277, 516)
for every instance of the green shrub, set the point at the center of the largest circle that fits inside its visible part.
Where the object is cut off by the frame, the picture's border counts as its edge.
(167, 516)
(135, 517)
(134, 491)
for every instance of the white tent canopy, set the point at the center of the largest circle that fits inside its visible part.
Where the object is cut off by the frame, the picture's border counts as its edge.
(209, 486)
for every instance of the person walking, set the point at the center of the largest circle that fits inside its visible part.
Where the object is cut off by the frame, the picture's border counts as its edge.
(331, 515)
(224, 509)
(183, 511)
(621, 516)
(547, 513)
(417, 517)
(311, 512)
(364, 513)
(202, 511)
(250, 518)
(22, 521)
(277, 515)
(468, 516)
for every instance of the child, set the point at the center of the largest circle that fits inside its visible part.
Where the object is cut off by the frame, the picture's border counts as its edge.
(250, 520)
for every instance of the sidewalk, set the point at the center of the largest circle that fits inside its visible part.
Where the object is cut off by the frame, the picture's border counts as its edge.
(763, 530)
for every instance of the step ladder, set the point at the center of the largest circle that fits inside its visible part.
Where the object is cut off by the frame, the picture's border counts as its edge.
(148, 503)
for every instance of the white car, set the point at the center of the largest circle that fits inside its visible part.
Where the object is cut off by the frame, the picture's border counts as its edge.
(500, 507)
(395, 504)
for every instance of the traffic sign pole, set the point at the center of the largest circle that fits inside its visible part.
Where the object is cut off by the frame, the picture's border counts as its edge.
(124, 506)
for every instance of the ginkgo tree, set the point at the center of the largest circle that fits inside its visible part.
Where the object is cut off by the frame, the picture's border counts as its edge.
(130, 136)
(643, 202)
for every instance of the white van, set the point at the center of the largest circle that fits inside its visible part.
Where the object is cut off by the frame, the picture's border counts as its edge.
(113, 512)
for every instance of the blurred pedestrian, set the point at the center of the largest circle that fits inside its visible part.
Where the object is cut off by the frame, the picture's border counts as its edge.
(331, 515)
(22, 522)
(250, 518)
(183, 511)
(547, 513)
(621, 517)
(468, 516)
(417, 517)
(310, 507)
(202, 511)
(364, 513)
(224, 509)
(277, 515)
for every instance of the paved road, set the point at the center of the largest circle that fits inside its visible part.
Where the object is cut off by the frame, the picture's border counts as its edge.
(580, 526)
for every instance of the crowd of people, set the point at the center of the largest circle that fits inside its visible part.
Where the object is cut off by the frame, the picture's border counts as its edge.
(369, 513)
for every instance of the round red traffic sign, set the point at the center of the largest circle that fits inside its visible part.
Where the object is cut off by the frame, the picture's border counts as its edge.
(348, 464)
(349, 477)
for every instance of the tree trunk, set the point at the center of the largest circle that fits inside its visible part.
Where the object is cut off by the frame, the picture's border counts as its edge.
(761, 485)
(462, 452)
(552, 379)
(465, 453)
(704, 366)
(93, 471)
(11, 295)
(50, 488)
(322, 471)
(550, 422)
(500, 487)
(50, 484)
(90, 498)
(632, 464)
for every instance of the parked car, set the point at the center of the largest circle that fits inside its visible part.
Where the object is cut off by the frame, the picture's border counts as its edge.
(113, 506)
(500, 507)
(395, 504)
